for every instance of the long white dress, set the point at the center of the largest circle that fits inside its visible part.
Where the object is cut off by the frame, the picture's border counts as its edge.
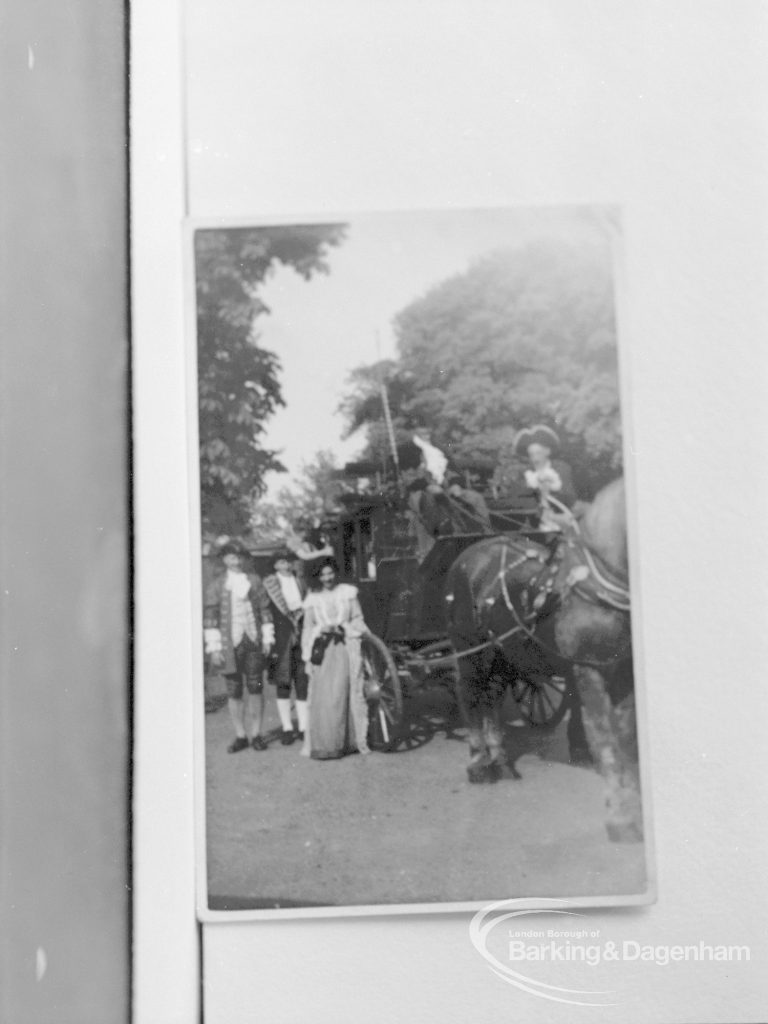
(338, 710)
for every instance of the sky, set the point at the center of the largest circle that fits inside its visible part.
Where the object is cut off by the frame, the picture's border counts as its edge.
(323, 328)
(299, 107)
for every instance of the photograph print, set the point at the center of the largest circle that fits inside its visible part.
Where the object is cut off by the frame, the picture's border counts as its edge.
(416, 676)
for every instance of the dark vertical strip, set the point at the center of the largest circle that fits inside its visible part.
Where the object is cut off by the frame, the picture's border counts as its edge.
(64, 515)
(129, 509)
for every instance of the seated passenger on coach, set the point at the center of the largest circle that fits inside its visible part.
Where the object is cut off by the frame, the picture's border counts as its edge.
(469, 506)
(422, 473)
(548, 477)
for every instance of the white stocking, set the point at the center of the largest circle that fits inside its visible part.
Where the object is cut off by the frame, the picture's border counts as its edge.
(303, 716)
(237, 714)
(284, 710)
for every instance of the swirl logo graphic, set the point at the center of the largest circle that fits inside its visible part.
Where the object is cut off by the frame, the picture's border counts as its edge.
(495, 914)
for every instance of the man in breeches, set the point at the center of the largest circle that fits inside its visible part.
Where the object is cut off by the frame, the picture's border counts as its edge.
(286, 594)
(238, 635)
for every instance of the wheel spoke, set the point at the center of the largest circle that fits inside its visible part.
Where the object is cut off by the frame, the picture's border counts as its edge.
(384, 729)
(558, 682)
(386, 704)
(534, 705)
(528, 698)
(545, 699)
(545, 707)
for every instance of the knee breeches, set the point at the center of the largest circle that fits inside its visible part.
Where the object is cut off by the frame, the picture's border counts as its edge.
(288, 671)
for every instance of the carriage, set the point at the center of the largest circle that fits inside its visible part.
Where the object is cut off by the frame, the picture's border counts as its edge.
(402, 596)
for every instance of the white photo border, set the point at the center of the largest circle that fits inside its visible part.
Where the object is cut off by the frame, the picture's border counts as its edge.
(613, 224)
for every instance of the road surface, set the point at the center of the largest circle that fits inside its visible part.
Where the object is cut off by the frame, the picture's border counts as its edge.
(406, 827)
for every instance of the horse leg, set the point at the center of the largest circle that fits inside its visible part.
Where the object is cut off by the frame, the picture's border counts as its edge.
(613, 742)
(468, 700)
(477, 769)
(578, 747)
(477, 694)
(492, 731)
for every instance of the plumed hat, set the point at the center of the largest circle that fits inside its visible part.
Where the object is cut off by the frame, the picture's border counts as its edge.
(538, 434)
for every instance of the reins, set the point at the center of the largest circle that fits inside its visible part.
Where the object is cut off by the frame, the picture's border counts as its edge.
(449, 659)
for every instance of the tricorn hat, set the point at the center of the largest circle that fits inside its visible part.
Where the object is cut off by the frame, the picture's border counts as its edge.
(232, 547)
(282, 554)
(538, 434)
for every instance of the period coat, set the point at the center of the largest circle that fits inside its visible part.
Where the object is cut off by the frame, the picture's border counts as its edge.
(287, 622)
(286, 665)
(217, 618)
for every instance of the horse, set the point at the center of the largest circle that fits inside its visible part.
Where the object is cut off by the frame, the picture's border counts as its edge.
(516, 608)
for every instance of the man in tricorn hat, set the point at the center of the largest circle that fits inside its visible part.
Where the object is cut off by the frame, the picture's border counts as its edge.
(286, 593)
(549, 478)
(238, 635)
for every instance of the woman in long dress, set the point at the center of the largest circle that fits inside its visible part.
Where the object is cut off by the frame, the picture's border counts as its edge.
(337, 708)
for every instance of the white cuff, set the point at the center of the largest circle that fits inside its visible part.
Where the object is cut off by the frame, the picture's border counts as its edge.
(267, 634)
(212, 641)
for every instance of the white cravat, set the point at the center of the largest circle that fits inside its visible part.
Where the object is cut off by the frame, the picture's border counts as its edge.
(243, 622)
(546, 478)
(237, 583)
(291, 593)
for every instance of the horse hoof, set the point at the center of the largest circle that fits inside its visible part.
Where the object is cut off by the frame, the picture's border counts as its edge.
(478, 773)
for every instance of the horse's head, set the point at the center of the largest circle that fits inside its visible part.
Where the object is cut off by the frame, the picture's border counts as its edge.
(604, 525)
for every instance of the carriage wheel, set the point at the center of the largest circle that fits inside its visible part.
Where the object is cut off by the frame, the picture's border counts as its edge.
(384, 693)
(542, 699)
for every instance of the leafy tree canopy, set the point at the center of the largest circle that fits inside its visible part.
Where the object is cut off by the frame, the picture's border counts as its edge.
(524, 336)
(238, 380)
(314, 496)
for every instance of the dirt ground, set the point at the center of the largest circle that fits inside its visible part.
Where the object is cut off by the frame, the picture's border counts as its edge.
(405, 827)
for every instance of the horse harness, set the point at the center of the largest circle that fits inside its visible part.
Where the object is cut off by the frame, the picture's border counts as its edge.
(568, 568)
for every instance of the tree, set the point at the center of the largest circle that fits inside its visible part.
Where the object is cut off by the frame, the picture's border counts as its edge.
(238, 380)
(525, 335)
(363, 405)
(316, 491)
(314, 497)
